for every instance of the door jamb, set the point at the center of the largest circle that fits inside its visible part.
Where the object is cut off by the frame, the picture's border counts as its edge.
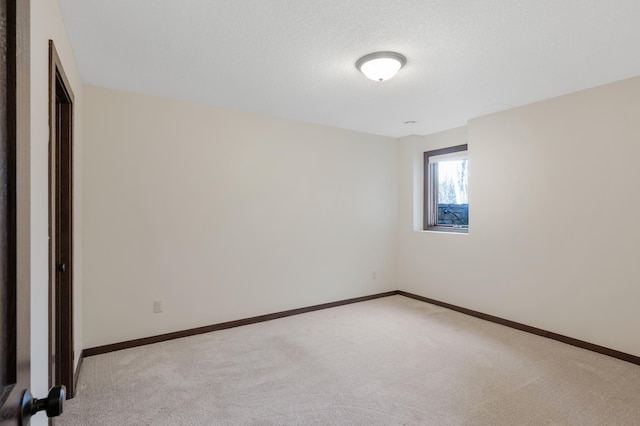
(61, 351)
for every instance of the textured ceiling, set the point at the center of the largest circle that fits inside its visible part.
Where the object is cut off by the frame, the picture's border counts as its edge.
(296, 58)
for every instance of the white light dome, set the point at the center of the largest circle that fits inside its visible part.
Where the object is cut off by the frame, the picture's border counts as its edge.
(381, 66)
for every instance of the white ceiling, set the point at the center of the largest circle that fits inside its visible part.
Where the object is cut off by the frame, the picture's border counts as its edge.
(296, 58)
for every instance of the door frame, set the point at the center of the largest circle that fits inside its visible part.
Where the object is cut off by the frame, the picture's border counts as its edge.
(61, 105)
(17, 210)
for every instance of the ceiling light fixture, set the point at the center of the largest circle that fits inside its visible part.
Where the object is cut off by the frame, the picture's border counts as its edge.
(380, 66)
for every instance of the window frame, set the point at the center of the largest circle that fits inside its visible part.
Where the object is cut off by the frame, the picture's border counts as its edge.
(426, 196)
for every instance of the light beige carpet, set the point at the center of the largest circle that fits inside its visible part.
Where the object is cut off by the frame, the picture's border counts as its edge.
(390, 361)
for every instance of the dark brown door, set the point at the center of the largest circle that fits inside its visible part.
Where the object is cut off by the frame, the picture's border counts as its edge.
(60, 226)
(14, 131)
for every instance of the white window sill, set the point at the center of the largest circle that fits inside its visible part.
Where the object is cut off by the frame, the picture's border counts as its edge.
(440, 231)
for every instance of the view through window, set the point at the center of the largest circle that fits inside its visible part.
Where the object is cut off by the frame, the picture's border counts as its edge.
(447, 189)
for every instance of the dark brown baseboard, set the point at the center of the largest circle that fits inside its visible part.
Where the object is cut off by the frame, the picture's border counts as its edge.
(222, 326)
(533, 330)
(209, 328)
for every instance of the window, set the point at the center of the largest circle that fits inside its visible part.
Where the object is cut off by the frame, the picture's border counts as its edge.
(446, 189)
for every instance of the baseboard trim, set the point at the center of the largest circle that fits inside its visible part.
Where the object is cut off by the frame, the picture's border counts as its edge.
(98, 350)
(533, 330)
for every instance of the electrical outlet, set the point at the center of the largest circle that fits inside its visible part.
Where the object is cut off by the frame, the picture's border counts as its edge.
(157, 306)
(374, 275)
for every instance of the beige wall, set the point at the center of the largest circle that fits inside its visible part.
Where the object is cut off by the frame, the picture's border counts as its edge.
(209, 211)
(225, 215)
(553, 203)
(46, 23)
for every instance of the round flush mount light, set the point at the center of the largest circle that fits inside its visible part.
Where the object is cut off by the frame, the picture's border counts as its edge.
(380, 66)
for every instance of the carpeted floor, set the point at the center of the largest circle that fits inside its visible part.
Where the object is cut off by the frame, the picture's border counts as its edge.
(390, 361)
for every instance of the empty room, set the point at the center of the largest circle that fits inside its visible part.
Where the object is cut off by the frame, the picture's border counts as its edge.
(293, 212)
